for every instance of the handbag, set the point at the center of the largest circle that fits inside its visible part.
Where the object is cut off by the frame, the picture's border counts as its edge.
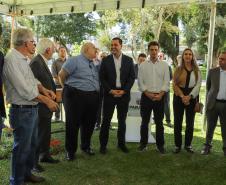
(198, 106)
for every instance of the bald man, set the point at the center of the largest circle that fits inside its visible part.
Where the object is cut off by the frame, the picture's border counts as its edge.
(80, 81)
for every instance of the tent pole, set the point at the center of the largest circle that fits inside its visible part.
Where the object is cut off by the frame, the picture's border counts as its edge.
(12, 30)
(210, 49)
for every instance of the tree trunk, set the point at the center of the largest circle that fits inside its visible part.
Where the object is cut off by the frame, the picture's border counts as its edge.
(160, 21)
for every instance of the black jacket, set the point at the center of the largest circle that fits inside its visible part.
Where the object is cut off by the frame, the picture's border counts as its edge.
(43, 74)
(108, 74)
(2, 105)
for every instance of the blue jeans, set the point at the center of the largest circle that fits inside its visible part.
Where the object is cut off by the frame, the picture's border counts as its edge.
(24, 124)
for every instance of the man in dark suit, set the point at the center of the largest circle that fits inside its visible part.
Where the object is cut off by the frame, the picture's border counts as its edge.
(2, 105)
(45, 50)
(117, 77)
(216, 103)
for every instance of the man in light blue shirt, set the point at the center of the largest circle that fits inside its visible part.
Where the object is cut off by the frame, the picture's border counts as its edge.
(80, 81)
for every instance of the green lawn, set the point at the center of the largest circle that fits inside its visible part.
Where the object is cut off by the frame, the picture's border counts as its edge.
(203, 72)
(136, 168)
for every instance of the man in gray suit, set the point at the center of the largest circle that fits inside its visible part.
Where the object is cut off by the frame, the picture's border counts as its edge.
(216, 103)
(45, 50)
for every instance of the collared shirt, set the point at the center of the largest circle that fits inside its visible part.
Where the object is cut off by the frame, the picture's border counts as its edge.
(118, 62)
(56, 67)
(20, 83)
(153, 77)
(44, 58)
(222, 87)
(82, 74)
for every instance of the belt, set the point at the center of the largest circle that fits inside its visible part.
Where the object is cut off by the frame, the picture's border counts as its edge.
(221, 101)
(23, 106)
(81, 91)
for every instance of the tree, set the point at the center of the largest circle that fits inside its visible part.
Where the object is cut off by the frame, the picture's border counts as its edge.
(169, 37)
(5, 35)
(187, 16)
(142, 25)
(199, 16)
(67, 28)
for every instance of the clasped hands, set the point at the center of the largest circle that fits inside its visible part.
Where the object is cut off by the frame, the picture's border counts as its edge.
(51, 104)
(154, 96)
(117, 93)
(186, 99)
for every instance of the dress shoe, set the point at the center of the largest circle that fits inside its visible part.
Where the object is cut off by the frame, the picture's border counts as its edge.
(70, 157)
(34, 179)
(38, 168)
(169, 124)
(177, 150)
(89, 151)
(103, 150)
(112, 128)
(49, 160)
(123, 148)
(224, 152)
(189, 149)
(142, 148)
(206, 149)
(161, 149)
(97, 128)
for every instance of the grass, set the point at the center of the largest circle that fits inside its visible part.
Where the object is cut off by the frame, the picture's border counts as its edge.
(136, 168)
(203, 72)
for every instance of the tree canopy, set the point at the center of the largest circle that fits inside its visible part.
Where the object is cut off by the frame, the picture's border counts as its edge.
(67, 28)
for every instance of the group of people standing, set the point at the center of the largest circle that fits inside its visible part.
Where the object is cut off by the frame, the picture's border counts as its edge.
(30, 89)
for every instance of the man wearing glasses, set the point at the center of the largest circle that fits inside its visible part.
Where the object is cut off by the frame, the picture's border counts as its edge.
(24, 92)
(80, 81)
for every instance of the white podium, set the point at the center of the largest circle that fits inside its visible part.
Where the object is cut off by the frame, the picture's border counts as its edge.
(133, 120)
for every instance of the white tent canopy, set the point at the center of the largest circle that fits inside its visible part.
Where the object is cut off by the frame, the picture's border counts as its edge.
(45, 7)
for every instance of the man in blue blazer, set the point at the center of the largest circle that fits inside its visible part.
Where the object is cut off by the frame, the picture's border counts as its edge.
(117, 77)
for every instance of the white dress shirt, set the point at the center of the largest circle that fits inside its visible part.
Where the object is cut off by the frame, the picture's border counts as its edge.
(195, 85)
(118, 62)
(222, 86)
(153, 77)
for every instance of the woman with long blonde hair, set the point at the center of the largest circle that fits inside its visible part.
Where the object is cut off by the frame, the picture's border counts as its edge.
(186, 86)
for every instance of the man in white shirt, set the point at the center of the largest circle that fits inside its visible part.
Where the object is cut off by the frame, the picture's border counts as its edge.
(117, 77)
(216, 103)
(153, 82)
(23, 92)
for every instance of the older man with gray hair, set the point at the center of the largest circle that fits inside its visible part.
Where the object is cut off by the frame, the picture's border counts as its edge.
(79, 77)
(45, 50)
(23, 92)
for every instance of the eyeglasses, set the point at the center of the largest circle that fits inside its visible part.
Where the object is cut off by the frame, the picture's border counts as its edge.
(32, 41)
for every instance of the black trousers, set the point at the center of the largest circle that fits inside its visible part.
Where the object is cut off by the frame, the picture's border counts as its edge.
(109, 104)
(100, 107)
(146, 107)
(218, 111)
(178, 110)
(44, 133)
(80, 111)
